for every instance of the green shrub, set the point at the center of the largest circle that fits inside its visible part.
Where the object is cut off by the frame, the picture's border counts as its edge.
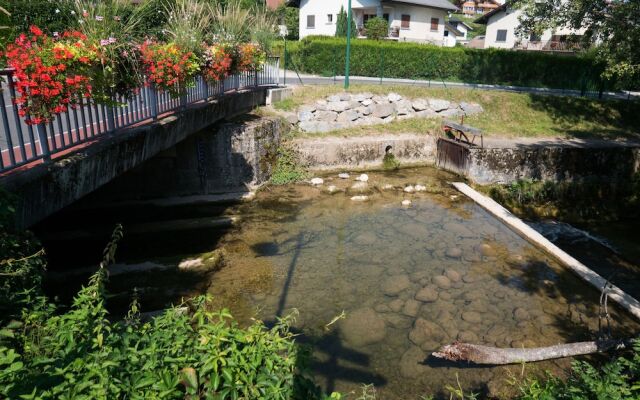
(189, 352)
(377, 28)
(616, 380)
(287, 167)
(421, 61)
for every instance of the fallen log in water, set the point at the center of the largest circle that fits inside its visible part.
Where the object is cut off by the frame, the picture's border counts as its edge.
(479, 354)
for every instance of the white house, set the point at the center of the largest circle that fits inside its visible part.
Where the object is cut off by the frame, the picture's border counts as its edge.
(461, 27)
(501, 32)
(409, 20)
(452, 35)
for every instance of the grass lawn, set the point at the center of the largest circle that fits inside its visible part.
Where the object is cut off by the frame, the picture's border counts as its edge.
(506, 114)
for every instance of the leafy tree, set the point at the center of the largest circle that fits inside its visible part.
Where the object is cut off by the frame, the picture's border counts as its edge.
(612, 24)
(341, 24)
(377, 28)
(290, 17)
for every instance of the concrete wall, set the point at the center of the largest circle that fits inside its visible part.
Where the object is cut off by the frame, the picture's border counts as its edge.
(234, 157)
(331, 153)
(554, 163)
(47, 188)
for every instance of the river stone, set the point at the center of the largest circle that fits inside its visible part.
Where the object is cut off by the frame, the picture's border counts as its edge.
(471, 108)
(544, 320)
(367, 102)
(364, 110)
(317, 181)
(396, 305)
(394, 97)
(486, 250)
(441, 281)
(404, 107)
(420, 105)
(369, 120)
(380, 100)
(382, 110)
(306, 108)
(472, 317)
(520, 314)
(451, 112)
(363, 178)
(360, 198)
(358, 97)
(420, 188)
(426, 114)
(388, 119)
(427, 294)
(467, 337)
(362, 327)
(333, 98)
(424, 330)
(438, 104)
(366, 238)
(411, 363)
(331, 189)
(327, 116)
(344, 96)
(343, 175)
(453, 276)
(305, 116)
(398, 321)
(453, 252)
(382, 308)
(409, 189)
(315, 126)
(393, 285)
(406, 203)
(339, 106)
(348, 116)
(411, 308)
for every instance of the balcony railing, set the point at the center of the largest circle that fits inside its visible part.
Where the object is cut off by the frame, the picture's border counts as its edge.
(21, 143)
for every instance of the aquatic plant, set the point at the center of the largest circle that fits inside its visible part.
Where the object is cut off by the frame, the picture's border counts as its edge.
(390, 162)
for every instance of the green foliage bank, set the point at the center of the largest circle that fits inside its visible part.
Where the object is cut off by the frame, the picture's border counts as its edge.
(321, 55)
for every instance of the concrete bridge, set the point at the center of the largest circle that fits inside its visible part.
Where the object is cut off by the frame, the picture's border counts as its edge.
(49, 182)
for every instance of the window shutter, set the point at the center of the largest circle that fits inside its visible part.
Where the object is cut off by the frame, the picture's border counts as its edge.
(311, 21)
(434, 24)
(406, 21)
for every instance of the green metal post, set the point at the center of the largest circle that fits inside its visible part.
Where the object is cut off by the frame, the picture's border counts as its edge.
(381, 64)
(285, 61)
(348, 58)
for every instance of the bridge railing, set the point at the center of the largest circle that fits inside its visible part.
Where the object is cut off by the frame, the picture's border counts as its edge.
(21, 143)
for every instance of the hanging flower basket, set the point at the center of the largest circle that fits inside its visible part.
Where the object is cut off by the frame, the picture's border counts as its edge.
(51, 73)
(168, 67)
(218, 62)
(250, 57)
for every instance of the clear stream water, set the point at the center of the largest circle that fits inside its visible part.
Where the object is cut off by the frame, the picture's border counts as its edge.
(405, 280)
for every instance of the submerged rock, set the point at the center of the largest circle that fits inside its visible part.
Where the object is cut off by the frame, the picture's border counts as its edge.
(411, 363)
(396, 305)
(360, 198)
(343, 175)
(441, 281)
(359, 187)
(363, 178)
(453, 252)
(427, 294)
(406, 203)
(472, 316)
(411, 308)
(317, 181)
(362, 327)
(395, 284)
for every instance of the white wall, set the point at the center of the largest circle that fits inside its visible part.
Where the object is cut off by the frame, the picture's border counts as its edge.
(420, 24)
(419, 27)
(320, 8)
(509, 20)
(502, 20)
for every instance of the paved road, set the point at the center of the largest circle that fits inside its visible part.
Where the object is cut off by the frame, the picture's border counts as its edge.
(294, 79)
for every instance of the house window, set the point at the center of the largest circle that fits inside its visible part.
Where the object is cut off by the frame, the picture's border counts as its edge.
(446, 33)
(329, 18)
(534, 37)
(311, 21)
(434, 24)
(501, 36)
(405, 21)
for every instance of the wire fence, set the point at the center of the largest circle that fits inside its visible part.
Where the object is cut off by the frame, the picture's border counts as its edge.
(21, 143)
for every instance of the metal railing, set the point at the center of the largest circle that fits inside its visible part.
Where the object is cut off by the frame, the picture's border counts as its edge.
(21, 143)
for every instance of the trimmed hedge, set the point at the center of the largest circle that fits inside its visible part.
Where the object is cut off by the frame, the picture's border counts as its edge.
(420, 61)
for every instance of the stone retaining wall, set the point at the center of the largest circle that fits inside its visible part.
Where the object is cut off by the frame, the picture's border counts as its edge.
(365, 152)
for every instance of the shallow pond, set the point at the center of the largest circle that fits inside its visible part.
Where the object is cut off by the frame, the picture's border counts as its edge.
(377, 286)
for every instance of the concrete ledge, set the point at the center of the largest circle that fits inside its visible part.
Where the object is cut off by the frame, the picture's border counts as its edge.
(47, 188)
(517, 225)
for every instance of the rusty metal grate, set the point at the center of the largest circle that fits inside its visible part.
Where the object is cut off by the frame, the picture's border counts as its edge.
(453, 155)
